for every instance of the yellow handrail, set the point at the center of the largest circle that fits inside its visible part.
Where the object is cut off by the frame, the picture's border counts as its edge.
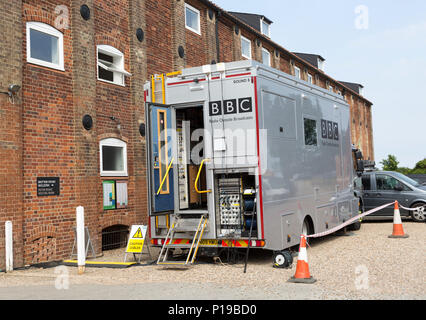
(163, 87)
(198, 177)
(176, 73)
(153, 88)
(166, 175)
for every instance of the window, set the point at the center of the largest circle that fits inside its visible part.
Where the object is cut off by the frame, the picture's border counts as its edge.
(266, 28)
(162, 145)
(246, 47)
(113, 158)
(266, 57)
(111, 65)
(310, 79)
(310, 132)
(297, 72)
(388, 183)
(366, 183)
(192, 19)
(45, 46)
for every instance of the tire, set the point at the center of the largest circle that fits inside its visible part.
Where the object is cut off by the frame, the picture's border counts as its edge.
(305, 228)
(420, 214)
(355, 226)
(283, 259)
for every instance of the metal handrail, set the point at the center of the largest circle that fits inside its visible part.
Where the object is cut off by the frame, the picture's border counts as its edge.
(198, 177)
(165, 176)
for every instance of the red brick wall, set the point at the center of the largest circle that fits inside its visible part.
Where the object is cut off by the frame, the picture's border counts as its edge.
(11, 183)
(48, 144)
(226, 44)
(160, 57)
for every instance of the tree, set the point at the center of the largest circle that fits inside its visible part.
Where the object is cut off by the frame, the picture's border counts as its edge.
(420, 167)
(390, 164)
(404, 170)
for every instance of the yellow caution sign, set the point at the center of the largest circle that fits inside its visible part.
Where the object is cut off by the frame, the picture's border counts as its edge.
(136, 241)
(138, 234)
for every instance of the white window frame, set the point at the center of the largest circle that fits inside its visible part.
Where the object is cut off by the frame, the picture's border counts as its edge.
(268, 33)
(119, 71)
(310, 78)
(300, 74)
(242, 53)
(47, 29)
(269, 55)
(113, 142)
(191, 8)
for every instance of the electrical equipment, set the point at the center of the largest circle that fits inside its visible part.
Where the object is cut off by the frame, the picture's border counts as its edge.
(183, 147)
(230, 206)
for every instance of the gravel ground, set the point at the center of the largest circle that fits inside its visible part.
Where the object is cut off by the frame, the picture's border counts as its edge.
(365, 265)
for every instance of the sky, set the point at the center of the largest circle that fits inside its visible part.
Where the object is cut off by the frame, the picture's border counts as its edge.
(380, 44)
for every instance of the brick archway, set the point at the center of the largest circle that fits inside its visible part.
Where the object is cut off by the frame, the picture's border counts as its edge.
(41, 245)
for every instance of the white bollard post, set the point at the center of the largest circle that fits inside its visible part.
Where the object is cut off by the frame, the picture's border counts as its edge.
(81, 250)
(9, 246)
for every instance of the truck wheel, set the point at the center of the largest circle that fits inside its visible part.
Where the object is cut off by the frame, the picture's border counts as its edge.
(355, 226)
(283, 259)
(419, 214)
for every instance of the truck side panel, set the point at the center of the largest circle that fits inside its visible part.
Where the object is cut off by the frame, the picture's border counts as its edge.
(306, 169)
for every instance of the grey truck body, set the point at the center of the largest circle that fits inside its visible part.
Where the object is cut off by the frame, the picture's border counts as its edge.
(296, 154)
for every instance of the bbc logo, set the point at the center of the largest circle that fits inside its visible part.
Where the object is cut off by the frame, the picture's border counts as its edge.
(232, 106)
(329, 130)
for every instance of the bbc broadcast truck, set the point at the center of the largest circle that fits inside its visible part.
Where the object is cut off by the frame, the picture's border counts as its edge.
(240, 154)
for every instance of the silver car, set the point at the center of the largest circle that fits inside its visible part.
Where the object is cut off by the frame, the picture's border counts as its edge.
(382, 187)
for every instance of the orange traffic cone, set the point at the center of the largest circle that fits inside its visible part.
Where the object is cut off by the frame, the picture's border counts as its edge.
(302, 274)
(398, 230)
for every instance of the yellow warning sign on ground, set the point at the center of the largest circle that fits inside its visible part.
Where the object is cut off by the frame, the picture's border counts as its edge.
(138, 234)
(137, 239)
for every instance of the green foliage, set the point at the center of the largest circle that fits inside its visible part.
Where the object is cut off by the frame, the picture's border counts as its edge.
(404, 170)
(391, 164)
(420, 167)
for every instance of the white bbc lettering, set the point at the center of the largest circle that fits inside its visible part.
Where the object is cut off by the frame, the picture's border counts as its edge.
(245, 105)
(215, 108)
(232, 106)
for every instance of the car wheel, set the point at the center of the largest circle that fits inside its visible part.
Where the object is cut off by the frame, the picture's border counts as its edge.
(283, 259)
(305, 228)
(419, 214)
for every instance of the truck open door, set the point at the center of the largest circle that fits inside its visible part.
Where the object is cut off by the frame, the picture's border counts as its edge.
(160, 158)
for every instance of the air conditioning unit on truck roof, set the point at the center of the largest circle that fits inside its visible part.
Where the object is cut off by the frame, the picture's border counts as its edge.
(261, 155)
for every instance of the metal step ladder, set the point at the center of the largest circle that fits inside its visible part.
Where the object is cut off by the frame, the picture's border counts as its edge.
(177, 227)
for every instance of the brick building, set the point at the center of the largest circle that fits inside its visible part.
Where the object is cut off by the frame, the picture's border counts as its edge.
(73, 130)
